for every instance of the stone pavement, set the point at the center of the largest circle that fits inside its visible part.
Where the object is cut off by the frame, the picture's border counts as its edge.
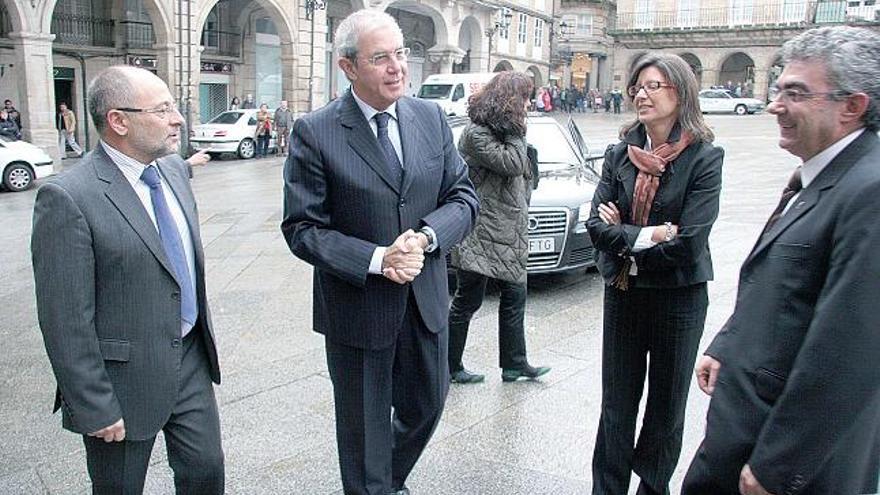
(276, 398)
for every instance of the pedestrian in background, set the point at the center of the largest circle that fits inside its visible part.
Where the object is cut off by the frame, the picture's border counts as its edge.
(494, 147)
(375, 194)
(793, 373)
(66, 125)
(12, 112)
(8, 127)
(539, 100)
(616, 99)
(650, 222)
(235, 104)
(283, 122)
(120, 283)
(249, 102)
(263, 132)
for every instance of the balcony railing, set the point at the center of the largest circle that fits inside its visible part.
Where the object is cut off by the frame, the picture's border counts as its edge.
(780, 14)
(137, 34)
(82, 30)
(223, 43)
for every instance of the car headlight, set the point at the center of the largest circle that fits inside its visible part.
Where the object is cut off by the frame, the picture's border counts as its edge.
(584, 211)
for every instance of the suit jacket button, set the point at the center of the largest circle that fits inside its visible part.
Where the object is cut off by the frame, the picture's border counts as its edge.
(175, 296)
(402, 203)
(175, 342)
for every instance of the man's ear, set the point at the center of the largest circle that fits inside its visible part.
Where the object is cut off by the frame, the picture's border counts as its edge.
(855, 107)
(118, 122)
(347, 67)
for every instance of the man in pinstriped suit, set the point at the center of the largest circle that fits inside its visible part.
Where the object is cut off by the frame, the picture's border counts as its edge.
(120, 286)
(375, 194)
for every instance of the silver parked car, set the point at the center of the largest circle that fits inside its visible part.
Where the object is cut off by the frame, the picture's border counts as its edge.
(560, 204)
(723, 101)
(230, 132)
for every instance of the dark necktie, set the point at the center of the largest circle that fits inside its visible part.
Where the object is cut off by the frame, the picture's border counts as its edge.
(387, 148)
(793, 187)
(172, 244)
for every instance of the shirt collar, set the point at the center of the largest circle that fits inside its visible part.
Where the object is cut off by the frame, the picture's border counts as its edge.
(370, 112)
(814, 166)
(131, 168)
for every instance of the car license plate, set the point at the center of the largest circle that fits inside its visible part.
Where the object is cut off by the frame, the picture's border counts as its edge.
(542, 245)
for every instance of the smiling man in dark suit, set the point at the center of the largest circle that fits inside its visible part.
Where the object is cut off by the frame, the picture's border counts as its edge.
(375, 194)
(793, 374)
(120, 285)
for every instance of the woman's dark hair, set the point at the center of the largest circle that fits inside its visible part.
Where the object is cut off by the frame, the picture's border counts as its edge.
(501, 104)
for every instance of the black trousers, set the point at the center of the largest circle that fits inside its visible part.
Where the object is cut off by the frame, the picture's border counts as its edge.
(192, 439)
(469, 292)
(378, 450)
(665, 324)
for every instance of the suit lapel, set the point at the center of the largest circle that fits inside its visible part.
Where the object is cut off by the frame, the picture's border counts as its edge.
(362, 140)
(411, 135)
(123, 197)
(811, 196)
(627, 177)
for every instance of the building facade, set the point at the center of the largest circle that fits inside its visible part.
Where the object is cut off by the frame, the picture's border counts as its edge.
(210, 51)
(727, 42)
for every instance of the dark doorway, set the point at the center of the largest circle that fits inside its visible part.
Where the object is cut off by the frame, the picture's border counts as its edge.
(63, 94)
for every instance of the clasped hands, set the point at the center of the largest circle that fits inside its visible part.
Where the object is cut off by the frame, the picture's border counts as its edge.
(404, 259)
(609, 214)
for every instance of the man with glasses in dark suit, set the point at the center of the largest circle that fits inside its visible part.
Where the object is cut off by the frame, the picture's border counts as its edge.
(375, 194)
(120, 286)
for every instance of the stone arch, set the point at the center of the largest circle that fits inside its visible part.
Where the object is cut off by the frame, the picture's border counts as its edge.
(441, 30)
(502, 66)
(17, 18)
(696, 66)
(273, 10)
(535, 72)
(470, 39)
(737, 67)
(163, 27)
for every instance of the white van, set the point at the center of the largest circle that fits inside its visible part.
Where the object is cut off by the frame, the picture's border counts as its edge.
(451, 91)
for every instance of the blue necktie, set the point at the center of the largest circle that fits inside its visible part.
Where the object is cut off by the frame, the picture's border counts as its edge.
(387, 148)
(172, 244)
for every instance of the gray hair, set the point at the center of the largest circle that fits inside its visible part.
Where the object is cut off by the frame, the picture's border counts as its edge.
(112, 88)
(351, 29)
(852, 58)
(679, 74)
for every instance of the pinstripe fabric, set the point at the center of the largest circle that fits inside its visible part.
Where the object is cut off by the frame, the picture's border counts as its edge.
(665, 324)
(341, 201)
(108, 304)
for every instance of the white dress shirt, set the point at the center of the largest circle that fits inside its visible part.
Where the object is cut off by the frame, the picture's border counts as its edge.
(814, 166)
(132, 170)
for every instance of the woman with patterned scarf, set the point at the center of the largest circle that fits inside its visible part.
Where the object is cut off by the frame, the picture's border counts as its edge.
(650, 223)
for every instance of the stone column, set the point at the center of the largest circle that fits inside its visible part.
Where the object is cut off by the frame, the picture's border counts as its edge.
(33, 57)
(761, 83)
(445, 56)
(594, 70)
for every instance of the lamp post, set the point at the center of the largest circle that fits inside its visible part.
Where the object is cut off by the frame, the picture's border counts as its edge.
(311, 6)
(559, 32)
(502, 23)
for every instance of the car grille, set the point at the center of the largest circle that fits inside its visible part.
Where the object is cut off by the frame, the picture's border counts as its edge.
(582, 255)
(548, 222)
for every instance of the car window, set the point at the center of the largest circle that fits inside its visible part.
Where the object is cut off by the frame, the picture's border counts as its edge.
(552, 145)
(226, 118)
(252, 120)
(459, 92)
(435, 91)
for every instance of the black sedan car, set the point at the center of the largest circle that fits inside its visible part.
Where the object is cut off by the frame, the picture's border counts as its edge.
(560, 204)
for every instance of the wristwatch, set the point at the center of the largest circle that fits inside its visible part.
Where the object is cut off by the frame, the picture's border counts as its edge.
(669, 235)
(432, 240)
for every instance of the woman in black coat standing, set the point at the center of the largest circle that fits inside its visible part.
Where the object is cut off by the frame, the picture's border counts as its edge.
(650, 223)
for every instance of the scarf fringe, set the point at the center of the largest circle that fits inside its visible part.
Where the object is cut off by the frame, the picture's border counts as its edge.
(621, 281)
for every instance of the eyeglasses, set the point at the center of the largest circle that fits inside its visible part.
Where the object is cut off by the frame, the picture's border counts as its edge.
(794, 95)
(649, 87)
(163, 112)
(383, 59)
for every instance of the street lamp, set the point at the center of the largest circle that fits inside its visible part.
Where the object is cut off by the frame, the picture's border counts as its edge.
(558, 33)
(502, 23)
(311, 6)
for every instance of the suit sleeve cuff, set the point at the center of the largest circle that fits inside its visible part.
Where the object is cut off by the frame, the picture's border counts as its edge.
(376, 261)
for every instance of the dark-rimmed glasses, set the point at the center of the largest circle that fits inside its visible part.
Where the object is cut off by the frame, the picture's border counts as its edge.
(795, 95)
(649, 87)
(163, 112)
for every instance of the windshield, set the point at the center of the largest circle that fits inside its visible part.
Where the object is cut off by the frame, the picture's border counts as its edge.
(552, 145)
(226, 118)
(435, 91)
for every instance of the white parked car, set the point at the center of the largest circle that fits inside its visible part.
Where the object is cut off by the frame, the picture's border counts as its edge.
(230, 132)
(22, 163)
(722, 101)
